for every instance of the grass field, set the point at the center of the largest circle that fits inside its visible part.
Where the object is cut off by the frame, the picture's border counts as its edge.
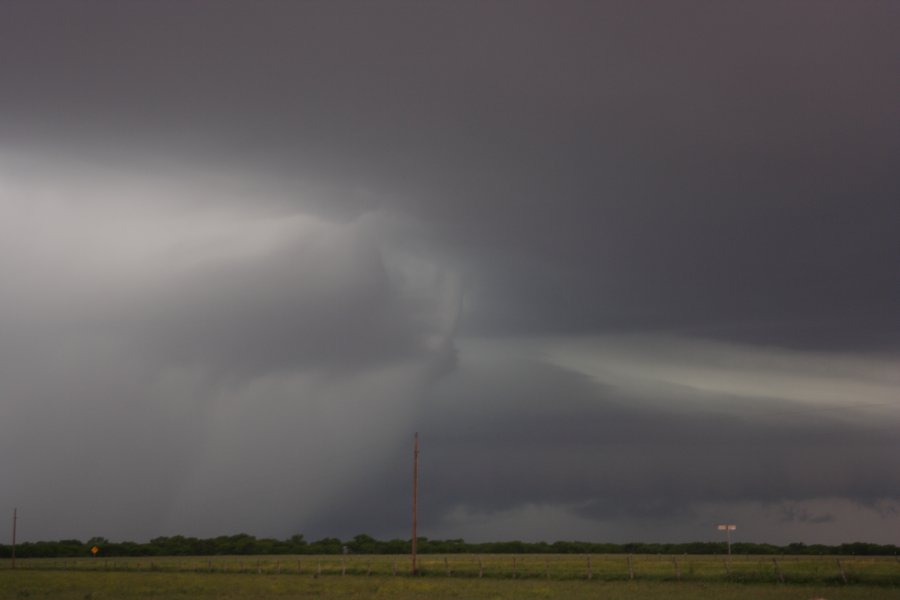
(490, 576)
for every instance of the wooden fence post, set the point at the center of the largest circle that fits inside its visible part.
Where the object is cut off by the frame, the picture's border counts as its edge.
(630, 568)
(677, 568)
(480, 568)
(843, 573)
(778, 570)
(590, 567)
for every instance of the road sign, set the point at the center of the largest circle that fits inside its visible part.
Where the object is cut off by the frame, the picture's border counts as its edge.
(728, 528)
(95, 550)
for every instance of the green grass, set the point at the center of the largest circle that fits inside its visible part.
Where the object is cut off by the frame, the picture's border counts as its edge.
(471, 577)
(607, 567)
(169, 586)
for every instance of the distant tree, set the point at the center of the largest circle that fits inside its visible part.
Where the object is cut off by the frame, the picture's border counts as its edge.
(297, 544)
(397, 546)
(363, 544)
(326, 546)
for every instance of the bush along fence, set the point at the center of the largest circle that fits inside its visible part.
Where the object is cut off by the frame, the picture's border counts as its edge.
(243, 544)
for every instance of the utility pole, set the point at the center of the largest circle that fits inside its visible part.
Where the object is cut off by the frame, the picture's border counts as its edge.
(14, 539)
(415, 493)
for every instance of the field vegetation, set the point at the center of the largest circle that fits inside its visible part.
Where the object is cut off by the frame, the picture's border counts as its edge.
(172, 579)
(836, 571)
(66, 570)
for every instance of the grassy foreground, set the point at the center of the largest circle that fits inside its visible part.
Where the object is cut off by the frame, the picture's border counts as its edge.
(495, 577)
(103, 585)
(883, 571)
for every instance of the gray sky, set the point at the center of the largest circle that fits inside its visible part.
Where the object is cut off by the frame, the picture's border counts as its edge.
(631, 271)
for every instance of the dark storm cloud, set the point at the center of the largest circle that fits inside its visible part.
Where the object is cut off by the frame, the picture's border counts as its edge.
(793, 514)
(258, 232)
(540, 433)
(509, 431)
(609, 455)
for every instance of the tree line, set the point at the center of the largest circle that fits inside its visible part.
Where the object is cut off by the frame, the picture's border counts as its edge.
(244, 544)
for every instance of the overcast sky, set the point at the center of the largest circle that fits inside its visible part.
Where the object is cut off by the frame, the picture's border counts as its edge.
(630, 269)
